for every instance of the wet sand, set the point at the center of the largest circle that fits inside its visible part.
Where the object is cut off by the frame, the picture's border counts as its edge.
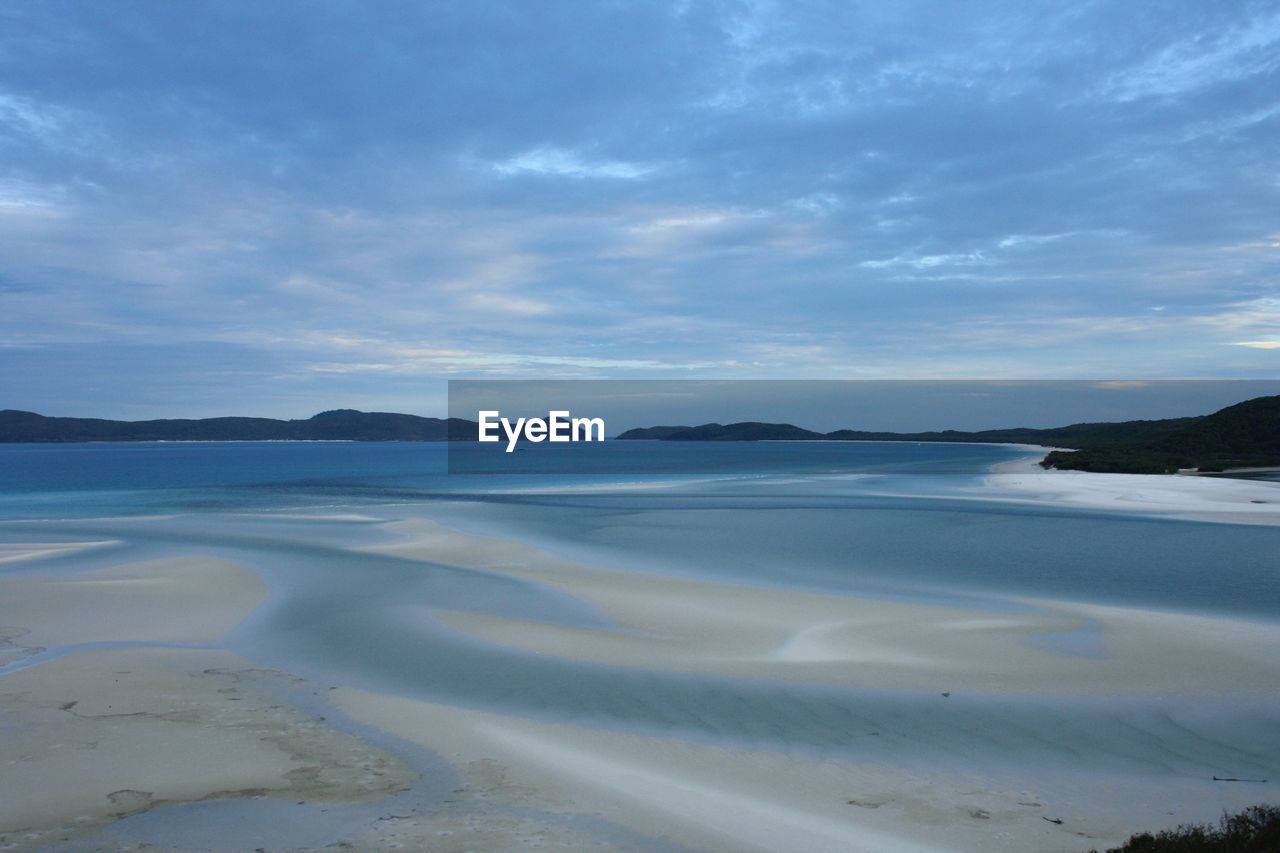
(117, 700)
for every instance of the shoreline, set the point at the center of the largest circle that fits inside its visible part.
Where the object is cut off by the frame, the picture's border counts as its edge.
(1190, 497)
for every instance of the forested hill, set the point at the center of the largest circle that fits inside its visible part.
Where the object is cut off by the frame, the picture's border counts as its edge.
(337, 425)
(1240, 436)
(1244, 435)
(1074, 436)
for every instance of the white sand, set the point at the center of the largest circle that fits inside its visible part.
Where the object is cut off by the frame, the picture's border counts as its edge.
(704, 796)
(685, 625)
(717, 797)
(1189, 496)
(12, 552)
(193, 600)
(98, 734)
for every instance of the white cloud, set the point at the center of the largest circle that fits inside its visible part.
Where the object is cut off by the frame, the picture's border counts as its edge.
(925, 262)
(816, 204)
(680, 222)
(508, 303)
(1200, 60)
(416, 361)
(1262, 314)
(25, 198)
(27, 115)
(1014, 240)
(316, 287)
(570, 164)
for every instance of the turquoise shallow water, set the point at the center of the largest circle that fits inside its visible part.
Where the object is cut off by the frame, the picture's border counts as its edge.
(895, 521)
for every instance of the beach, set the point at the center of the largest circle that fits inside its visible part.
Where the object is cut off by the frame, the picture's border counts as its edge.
(155, 691)
(117, 700)
(1184, 495)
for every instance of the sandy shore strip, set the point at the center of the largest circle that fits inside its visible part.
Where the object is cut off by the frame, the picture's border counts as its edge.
(192, 600)
(1187, 496)
(103, 732)
(97, 736)
(714, 628)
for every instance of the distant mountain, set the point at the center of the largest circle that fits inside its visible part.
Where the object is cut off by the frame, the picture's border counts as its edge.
(336, 425)
(1244, 435)
(746, 431)
(1075, 436)
(659, 433)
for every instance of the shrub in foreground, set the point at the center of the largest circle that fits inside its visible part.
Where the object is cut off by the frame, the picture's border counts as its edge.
(1254, 830)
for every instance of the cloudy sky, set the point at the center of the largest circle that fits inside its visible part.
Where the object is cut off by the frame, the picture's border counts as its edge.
(273, 208)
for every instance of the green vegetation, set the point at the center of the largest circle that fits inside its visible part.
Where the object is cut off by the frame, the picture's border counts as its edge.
(1254, 830)
(1115, 460)
(1245, 435)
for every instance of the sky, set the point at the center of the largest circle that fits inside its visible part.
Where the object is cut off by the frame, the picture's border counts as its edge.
(277, 208)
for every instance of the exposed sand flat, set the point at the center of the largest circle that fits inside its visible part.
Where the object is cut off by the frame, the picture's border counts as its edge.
(686, 625)
(12, 552)
(96, 736)
(1189, 496)
(188, 600)
(720, 797)
(707, 797)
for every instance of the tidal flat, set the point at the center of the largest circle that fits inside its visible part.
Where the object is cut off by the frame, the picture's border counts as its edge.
(307, 646)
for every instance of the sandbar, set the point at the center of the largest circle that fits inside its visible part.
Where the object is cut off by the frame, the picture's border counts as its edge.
(116, 700)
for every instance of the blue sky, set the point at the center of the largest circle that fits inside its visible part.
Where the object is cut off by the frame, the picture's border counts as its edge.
(275, 208)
